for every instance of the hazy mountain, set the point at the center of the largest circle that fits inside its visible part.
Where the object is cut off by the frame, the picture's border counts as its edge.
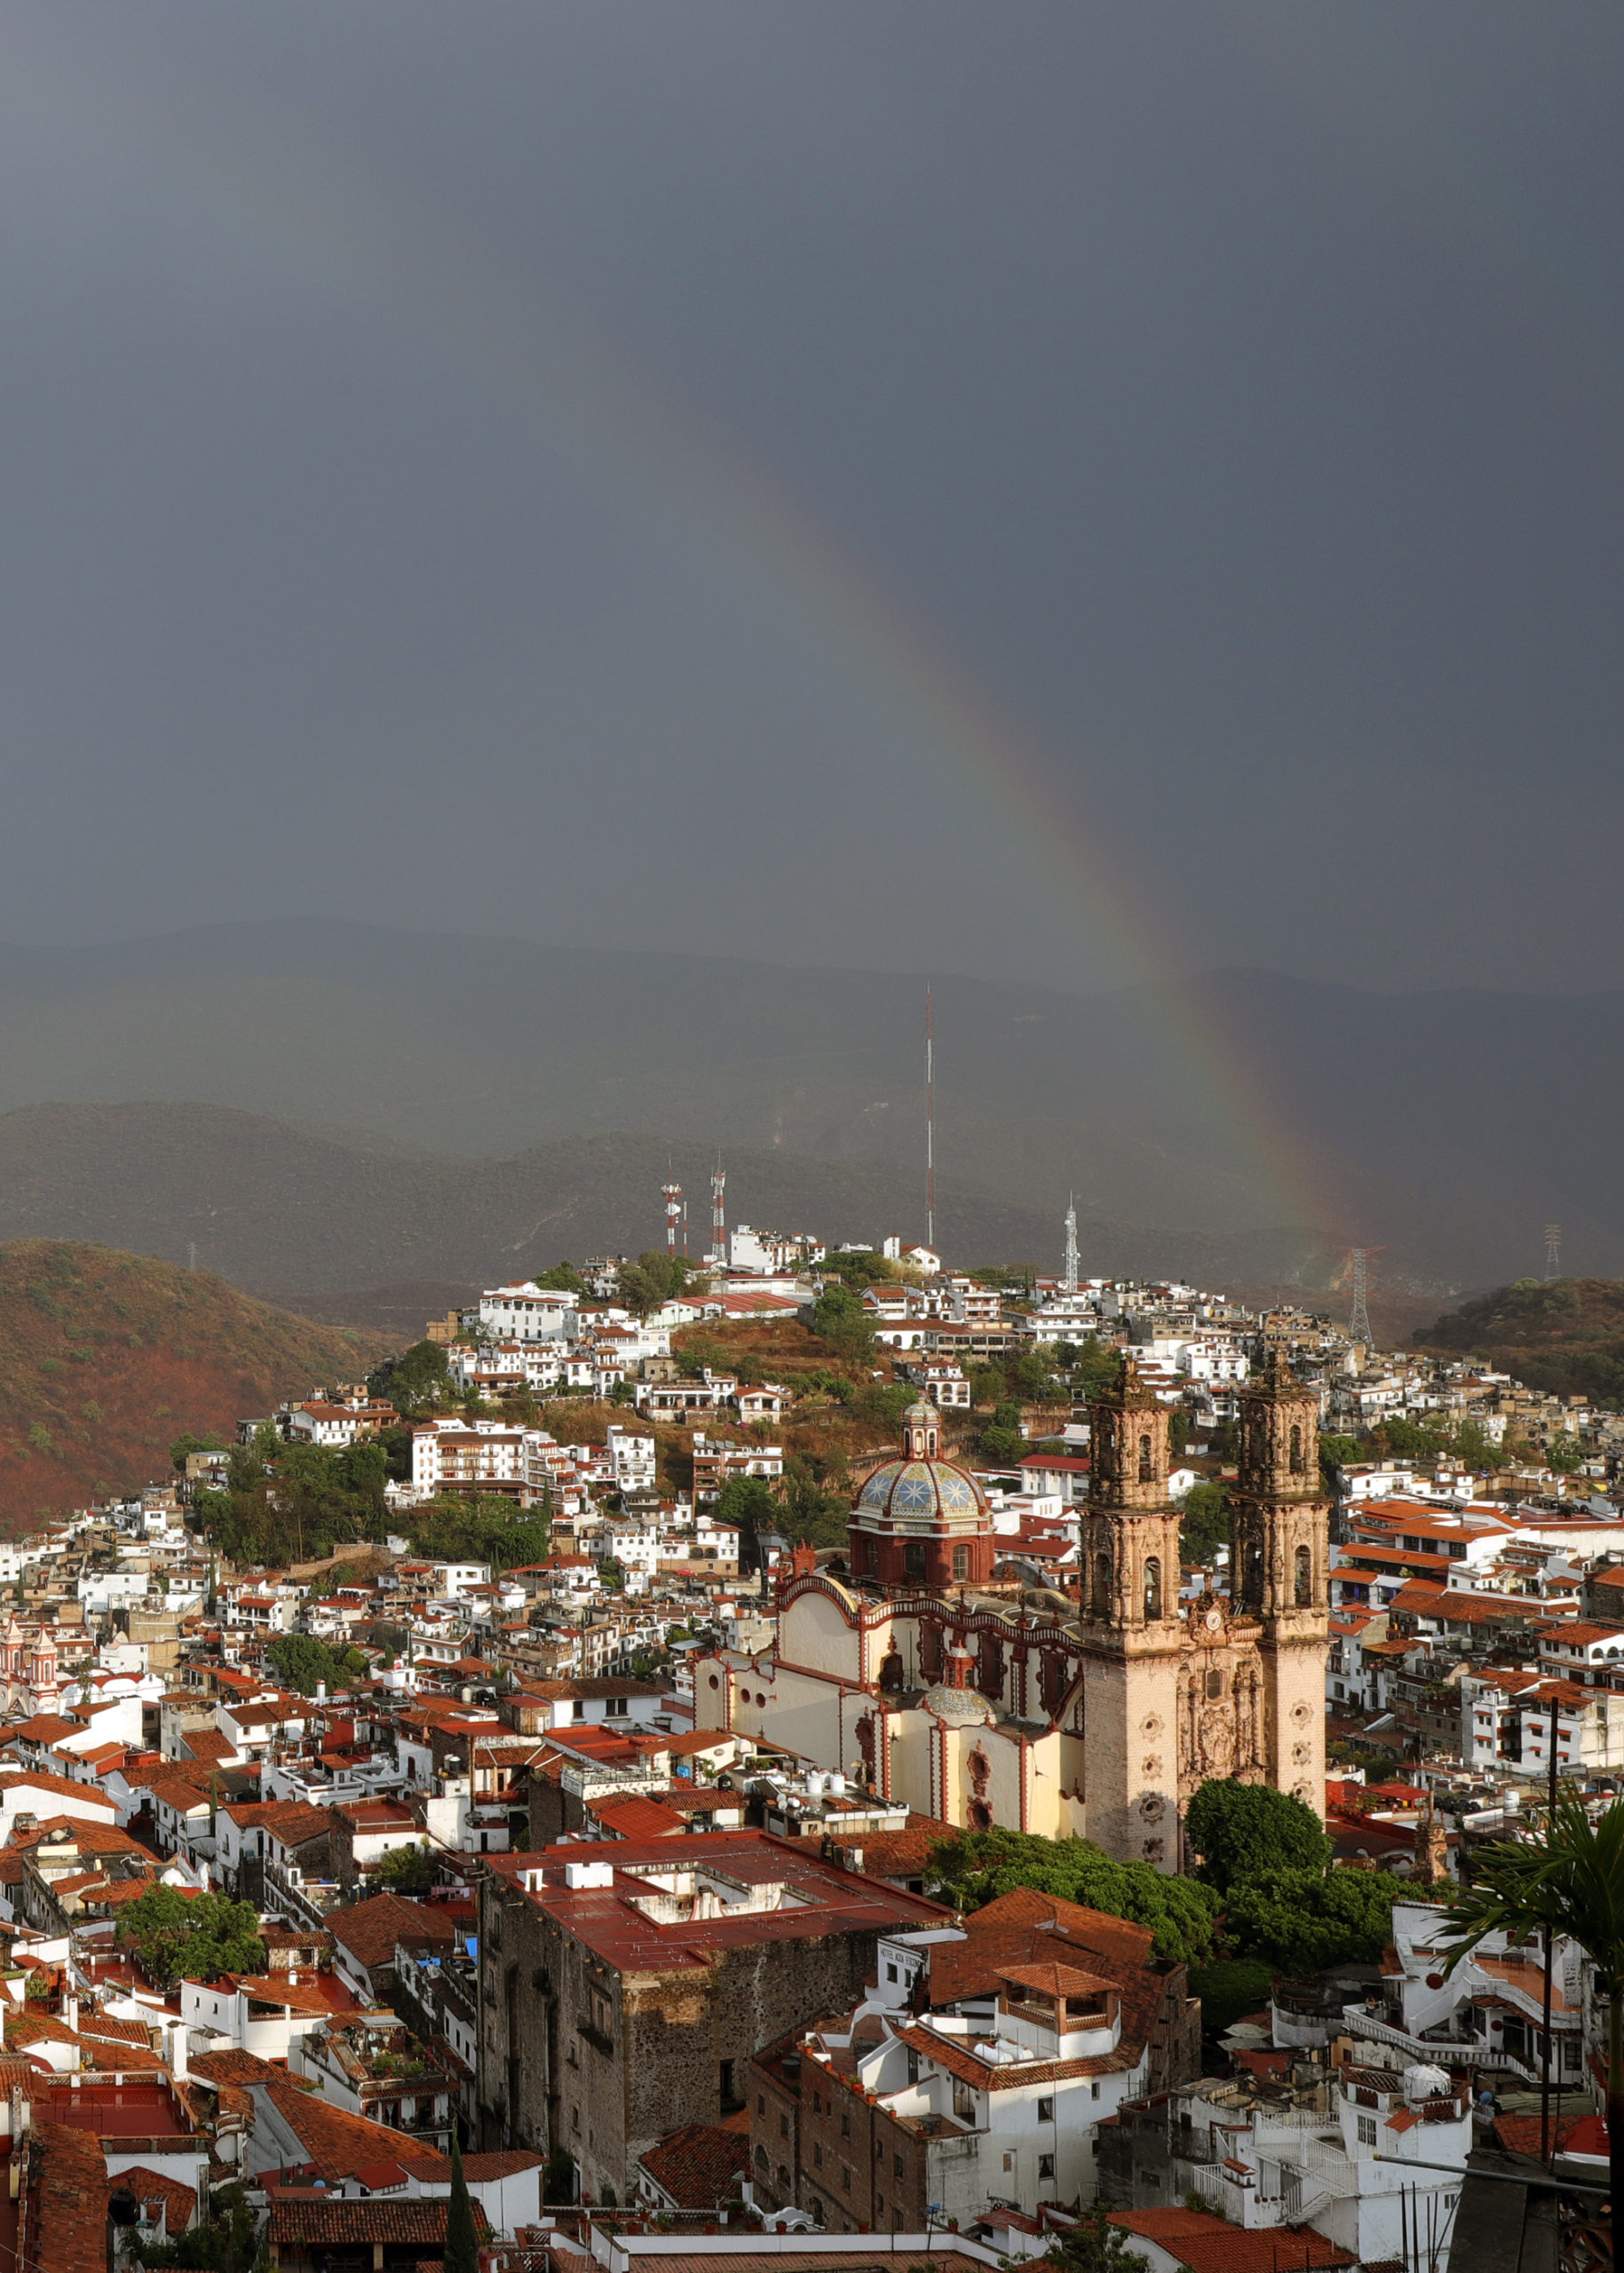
(106, 1358)
(1430, 1125)
(307, 1218)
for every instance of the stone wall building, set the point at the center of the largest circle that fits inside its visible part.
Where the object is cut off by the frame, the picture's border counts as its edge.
(624, 1987)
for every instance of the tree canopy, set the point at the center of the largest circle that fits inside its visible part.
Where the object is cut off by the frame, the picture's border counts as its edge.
(416, 1381)
(1203, 1522)
(1304, 1920)
(980, 1865)
(306, 1664)
(1249, 1830)
(838, 1317)
(198, 1936)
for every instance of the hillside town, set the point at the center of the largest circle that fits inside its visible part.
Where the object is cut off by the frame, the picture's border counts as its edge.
(585, 1834)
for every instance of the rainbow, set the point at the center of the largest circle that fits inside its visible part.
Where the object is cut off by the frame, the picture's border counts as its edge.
(359, 238)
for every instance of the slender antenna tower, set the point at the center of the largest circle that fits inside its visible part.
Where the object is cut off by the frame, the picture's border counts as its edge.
(1359, 1320)
(718, 1213)
(1070, 1281)
(929, 1125)
(671, 1193)
(1553, 1250)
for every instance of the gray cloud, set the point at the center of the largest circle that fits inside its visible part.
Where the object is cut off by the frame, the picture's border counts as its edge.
(558, 471)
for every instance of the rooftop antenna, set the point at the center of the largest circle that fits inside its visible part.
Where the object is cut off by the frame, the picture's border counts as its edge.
(718, 1213)
(1553, 1251)
(671, 1193)
(929, 1125)
(1070, 1281)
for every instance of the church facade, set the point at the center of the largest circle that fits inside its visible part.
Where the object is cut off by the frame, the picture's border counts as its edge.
(978, 1700)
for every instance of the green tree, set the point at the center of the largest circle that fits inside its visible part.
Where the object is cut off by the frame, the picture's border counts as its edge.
(185, 1445)
(1229, 1989)
(811, 1513)
(1565, 1455)
(1097, 1365)
(1095, 2245)
(987, 1385)
(978, 1865)
(563, 1278)
(1303, 1920)
(306, 1664)
(838, 1317)
(1249, 1831)
(1002, 1442)
(407, 1869)
(461, 2251)
(1203, 1522)
(199, 1935)
(225, 2243)
(1568, 1881)
(864, 1269)
(1340, 1451)
(415, 1382)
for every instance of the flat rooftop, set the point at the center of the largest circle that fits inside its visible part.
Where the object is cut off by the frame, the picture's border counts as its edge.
(672, 1903)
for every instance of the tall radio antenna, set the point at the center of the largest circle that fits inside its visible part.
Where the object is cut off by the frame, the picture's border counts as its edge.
(1070, 1281)
(930, 1127)
(670, 1191)
(718, 1214)
(1553, 1250)
(1358, 1275)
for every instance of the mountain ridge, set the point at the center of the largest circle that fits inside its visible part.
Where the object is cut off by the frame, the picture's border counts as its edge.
(1417, 1124)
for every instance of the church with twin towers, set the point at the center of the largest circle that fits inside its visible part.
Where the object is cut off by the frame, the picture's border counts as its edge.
(922, 1666)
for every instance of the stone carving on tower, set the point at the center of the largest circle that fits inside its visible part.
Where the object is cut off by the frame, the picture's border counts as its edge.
(1280, 1570)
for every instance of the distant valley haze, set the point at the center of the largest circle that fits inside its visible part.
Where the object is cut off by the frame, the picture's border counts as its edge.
(316, 1106)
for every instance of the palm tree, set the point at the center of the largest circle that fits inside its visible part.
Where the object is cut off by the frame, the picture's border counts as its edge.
(1570, 1881)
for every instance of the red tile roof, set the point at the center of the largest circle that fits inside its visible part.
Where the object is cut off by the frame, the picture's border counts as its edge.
(699, 2166)
(65, 2223)
(307, 2226)
(1208, 2244)
(340, 2144)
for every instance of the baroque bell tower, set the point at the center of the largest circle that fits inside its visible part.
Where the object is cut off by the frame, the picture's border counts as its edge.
(1279, 1570)
(1132, 1636)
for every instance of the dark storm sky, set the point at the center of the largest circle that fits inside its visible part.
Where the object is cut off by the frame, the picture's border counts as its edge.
(770, 479)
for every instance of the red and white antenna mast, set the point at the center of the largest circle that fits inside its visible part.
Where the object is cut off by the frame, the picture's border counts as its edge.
(718, 1213)
(929, 1125)
(672, 1196)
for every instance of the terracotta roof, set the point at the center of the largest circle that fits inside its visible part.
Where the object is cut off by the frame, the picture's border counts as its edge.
(502, 2162)
(1208, 2244)
(699, 2166)
(368, 1930)
(180, 2202)
(233, 2067)
(306, 2226)
(340, 2144)
(64, 2229)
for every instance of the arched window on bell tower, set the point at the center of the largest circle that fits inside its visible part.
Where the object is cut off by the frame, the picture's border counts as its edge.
(1304, 1576)
(1297, 1449)
(1152, 1586)
(1102, 1586)
(1146, 1469)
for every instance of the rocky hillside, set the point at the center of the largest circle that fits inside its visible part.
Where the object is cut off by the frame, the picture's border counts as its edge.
(1563, 1335)
(107, 1357)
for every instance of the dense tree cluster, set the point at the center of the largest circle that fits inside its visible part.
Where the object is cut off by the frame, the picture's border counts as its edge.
(978, 1865)
(1263, 1897)
(307, 1665)
(199, 1935)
